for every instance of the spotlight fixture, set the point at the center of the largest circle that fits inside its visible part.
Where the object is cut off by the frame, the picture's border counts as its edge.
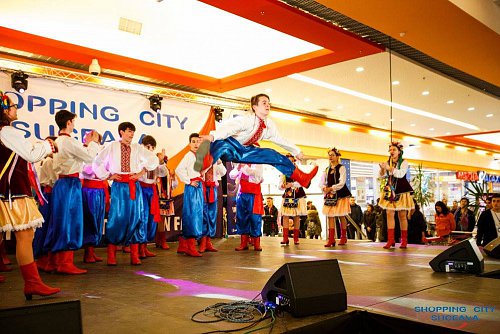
(155, 102)
(19, 81)
(218, 113)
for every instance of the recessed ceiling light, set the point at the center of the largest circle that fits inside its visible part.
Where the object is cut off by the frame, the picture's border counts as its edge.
(438, 144)
(340, 107)
(431, 129)
(450, 101)
(489, 115)
(481, 152)
(379, 133)
(307, 99)
(360, 69)
(395, 82)
(448, 133)
(425, 93)
(461, 148)
(471, 108)
(368, 114)
(381, 101)
(269, 90)
(413, 124)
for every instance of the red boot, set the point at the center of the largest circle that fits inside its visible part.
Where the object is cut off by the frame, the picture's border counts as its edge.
(244, 243)
(162, 241)
(3, 254)
(181, 249)
(256, 244)
(296, 233)
(111, 255)
(404, 239)
(390, 238)
(33, 284)
(142, 252)
(285, 240)
(343, 237)
(52, 263)
(147, 252)
(331, 238)
(210, 247)
(304, 178)
(134, 255)
(203, 244)
(87, 255)
(3, 267)
(191, 248)
(94, 255)
(65, 264)
(41, 263)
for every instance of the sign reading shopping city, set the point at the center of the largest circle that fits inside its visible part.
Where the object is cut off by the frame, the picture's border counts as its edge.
(103, 110)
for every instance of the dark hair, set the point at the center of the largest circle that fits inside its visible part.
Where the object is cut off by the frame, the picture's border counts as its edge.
(496, 195)
(62, 118)
(270, 198)
(5, 103)
(444, 208)
(466, 199)
(124, 126)
(371, 206)
(149, 140)
(254, 100)
(194, 135)
(290, 155)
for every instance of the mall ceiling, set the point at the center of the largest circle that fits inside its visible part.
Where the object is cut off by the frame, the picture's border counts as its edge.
(326, 58)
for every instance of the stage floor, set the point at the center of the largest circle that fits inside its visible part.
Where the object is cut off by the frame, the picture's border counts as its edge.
(162, 294)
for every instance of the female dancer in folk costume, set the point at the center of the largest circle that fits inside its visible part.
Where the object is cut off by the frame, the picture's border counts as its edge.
(18, 210)
(293, 206)
(337, 195)
(397, 196)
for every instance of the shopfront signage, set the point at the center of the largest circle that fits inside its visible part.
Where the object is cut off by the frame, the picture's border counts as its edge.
(467, 176)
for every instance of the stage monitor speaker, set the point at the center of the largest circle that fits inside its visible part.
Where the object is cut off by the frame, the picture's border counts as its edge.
(493, 248)
(464, 257)
(305, 288)
(62, 317)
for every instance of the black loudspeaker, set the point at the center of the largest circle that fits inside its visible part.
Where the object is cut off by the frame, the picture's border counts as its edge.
(493, 248)
(63, 317)
(464, 257)
(305, 288)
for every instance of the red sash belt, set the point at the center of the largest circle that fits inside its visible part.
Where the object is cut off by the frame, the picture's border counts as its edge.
(125, 178)
(47, 189)
(154, 206)
(253, 188)
(211, 185)
(99, 184)
(66, 176)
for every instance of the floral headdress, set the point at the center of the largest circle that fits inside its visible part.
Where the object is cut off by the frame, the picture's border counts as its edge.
(334, 150)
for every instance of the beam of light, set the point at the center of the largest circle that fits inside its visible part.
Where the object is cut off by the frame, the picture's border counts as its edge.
(190, 288)
(378, 100)
(261, 270)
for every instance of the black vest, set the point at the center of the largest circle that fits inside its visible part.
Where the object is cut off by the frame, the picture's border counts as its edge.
(19, 182)
(298, 193)
(334, 178)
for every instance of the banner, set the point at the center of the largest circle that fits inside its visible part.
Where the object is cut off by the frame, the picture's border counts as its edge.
(103, 110)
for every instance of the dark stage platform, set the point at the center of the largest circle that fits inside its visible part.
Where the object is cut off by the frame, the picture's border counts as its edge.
(161, 295)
